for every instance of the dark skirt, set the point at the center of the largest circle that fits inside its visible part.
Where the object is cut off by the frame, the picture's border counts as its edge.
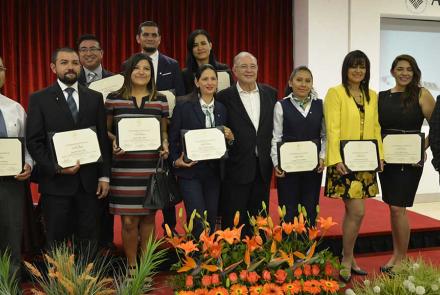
(355, 185)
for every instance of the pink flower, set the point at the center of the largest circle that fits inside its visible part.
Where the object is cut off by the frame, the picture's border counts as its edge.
(189, 282)
(280, 276)
(233, 277)
(253, 277)
(266, 275)
(206, 281)
(215, 279)
(243, 275)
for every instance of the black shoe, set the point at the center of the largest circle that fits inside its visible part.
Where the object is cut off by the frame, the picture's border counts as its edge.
(345, 275)
(388, 270)
(358, 271)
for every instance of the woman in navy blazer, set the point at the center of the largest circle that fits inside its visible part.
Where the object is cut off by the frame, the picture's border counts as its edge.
(199, 182)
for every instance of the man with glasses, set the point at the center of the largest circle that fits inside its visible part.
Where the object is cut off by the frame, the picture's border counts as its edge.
(90, 56)
(250, 118)
(12, 188)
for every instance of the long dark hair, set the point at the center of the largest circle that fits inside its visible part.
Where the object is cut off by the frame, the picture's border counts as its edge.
(411, 94)
(352, 60)
(199, 73)
(191, 62)
(126, 88)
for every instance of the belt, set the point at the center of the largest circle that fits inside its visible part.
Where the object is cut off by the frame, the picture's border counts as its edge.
(7, 179)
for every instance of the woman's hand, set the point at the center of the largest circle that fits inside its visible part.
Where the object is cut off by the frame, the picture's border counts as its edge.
(340, 167)
(165, 151)
(321, 166)
(228, 134)
(117, 151)
(279, 173)
(180, 163)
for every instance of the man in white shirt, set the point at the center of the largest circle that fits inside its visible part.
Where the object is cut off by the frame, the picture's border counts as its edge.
(12, 188)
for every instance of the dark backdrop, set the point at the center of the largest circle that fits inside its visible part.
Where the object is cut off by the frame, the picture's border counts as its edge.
(31, 29)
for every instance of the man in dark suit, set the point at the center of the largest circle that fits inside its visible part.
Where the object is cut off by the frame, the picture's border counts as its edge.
(250, 117)
(90, 57)
(68, 193)
(434, 135)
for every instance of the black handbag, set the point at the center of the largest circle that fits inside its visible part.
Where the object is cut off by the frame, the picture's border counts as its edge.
(162, 190)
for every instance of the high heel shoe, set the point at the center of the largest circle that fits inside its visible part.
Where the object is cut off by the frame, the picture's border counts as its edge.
(358, 271)
(388, 270)
(345, 275)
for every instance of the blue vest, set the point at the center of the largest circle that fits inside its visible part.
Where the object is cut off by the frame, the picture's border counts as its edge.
(296, 127)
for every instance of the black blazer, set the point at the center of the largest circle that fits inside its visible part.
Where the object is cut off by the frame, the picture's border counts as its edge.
(48, 112)
(188, 76)
(434, 135)
(241, 164)
(188, 115)
(83, 80)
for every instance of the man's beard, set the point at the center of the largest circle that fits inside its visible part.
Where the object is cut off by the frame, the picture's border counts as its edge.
(149, 49)
(68, 80)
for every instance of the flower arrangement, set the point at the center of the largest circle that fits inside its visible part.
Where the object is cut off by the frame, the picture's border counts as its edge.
(276, 259)
(411, 277)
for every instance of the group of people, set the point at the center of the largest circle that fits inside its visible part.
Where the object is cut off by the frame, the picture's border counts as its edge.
(73, 199)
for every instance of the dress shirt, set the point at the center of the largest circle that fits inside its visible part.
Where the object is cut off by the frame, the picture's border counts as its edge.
(15, 120)
(251, 102)
(278, 126)
(74, 94)
(97, 72)
(155, 59)
(210, 109)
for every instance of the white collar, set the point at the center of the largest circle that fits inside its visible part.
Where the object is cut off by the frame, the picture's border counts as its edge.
(95, 71)
(155, 55)
(64, 86)
(240, 90)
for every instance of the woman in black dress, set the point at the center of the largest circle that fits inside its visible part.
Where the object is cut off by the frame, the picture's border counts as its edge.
(199, 52)
(402, 109)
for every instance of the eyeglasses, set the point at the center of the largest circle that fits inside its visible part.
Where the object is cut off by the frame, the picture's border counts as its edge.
(245, 67)
(2, 68)
(91, 49)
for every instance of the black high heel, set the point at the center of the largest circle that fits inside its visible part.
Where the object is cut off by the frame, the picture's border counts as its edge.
(388, 270)
(358, 271)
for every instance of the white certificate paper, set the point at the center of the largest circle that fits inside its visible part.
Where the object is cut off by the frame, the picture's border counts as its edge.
(108, 85)
(223, 80)
(11, 156)
(403, 148)
(77, 145)
(360, 155)
(204, 144)
(298, 156)
(171, 99)
(139, 134)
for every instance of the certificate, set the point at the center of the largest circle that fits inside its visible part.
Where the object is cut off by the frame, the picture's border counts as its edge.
(204, 144)
(297, 156)
(108, 85)
(11, 156)
(77, 145)
(171, 99)
(223, 80)
(404, 148)
(360, 155)
(138, 134)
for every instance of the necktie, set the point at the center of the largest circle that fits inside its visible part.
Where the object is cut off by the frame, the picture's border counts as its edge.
(3, 131)
(208, 110)
(91, 77)
(71, 103)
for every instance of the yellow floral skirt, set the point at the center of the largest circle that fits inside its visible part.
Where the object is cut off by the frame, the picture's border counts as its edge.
(355, 185)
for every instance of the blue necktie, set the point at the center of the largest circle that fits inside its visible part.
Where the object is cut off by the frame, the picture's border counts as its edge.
(3, 131)
(209, 122)
(71, 103)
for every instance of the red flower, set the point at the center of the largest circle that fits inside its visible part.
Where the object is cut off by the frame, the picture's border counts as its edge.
(252, 277)
(206, 281)
(312, 287)
(215, 279)
(243, 275)
(297, 272)
(233, 277)
(307, 270)
(328, 270)
(280, 276)
(315, 269)
(266, 275)
(189, 282)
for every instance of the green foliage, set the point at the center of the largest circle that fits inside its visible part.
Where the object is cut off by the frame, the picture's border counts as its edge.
(8, 280)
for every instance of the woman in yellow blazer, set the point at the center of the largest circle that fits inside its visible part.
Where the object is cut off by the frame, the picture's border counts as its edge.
(350, 112)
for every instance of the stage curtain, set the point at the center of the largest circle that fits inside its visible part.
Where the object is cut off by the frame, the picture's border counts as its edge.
(31, 29)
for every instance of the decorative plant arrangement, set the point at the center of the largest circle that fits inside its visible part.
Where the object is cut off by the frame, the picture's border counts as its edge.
(8, 280)
(276, 259)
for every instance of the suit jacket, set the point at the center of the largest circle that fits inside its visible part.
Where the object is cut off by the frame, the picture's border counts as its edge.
(434, 135)
(169, 76)
(188, 76)
(188, 115)
(82, 79)
(241, 165)
(48, 112)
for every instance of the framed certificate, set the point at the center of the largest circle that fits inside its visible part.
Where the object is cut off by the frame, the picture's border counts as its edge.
(138, 134)
(171, 99)
(76, 145)
(204, 144)
(297, 156)
(404, 148)
(11, 156)
(360, 155)
(108, 85)
(223, 80)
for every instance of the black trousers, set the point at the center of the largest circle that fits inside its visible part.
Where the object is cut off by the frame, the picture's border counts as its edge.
(72, 218)
(106, 223)
(12, 200)
(299, 188)
(245, 198)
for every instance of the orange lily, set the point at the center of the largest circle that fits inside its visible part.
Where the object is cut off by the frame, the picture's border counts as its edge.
(188, 247)
(278, 233)
(215, 250)
(236, 218)
(208, 240)
(189, 264)
(313, 233)
(326, 223)
(299, 225)
(261, 221)
(288, 227)
(254, 243)
(230, 235)
(175, 241)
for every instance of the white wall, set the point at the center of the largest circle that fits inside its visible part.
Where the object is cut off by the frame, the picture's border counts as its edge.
(328, 29)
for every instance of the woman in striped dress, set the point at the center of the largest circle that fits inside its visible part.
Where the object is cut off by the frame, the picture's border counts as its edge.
(138, 97)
